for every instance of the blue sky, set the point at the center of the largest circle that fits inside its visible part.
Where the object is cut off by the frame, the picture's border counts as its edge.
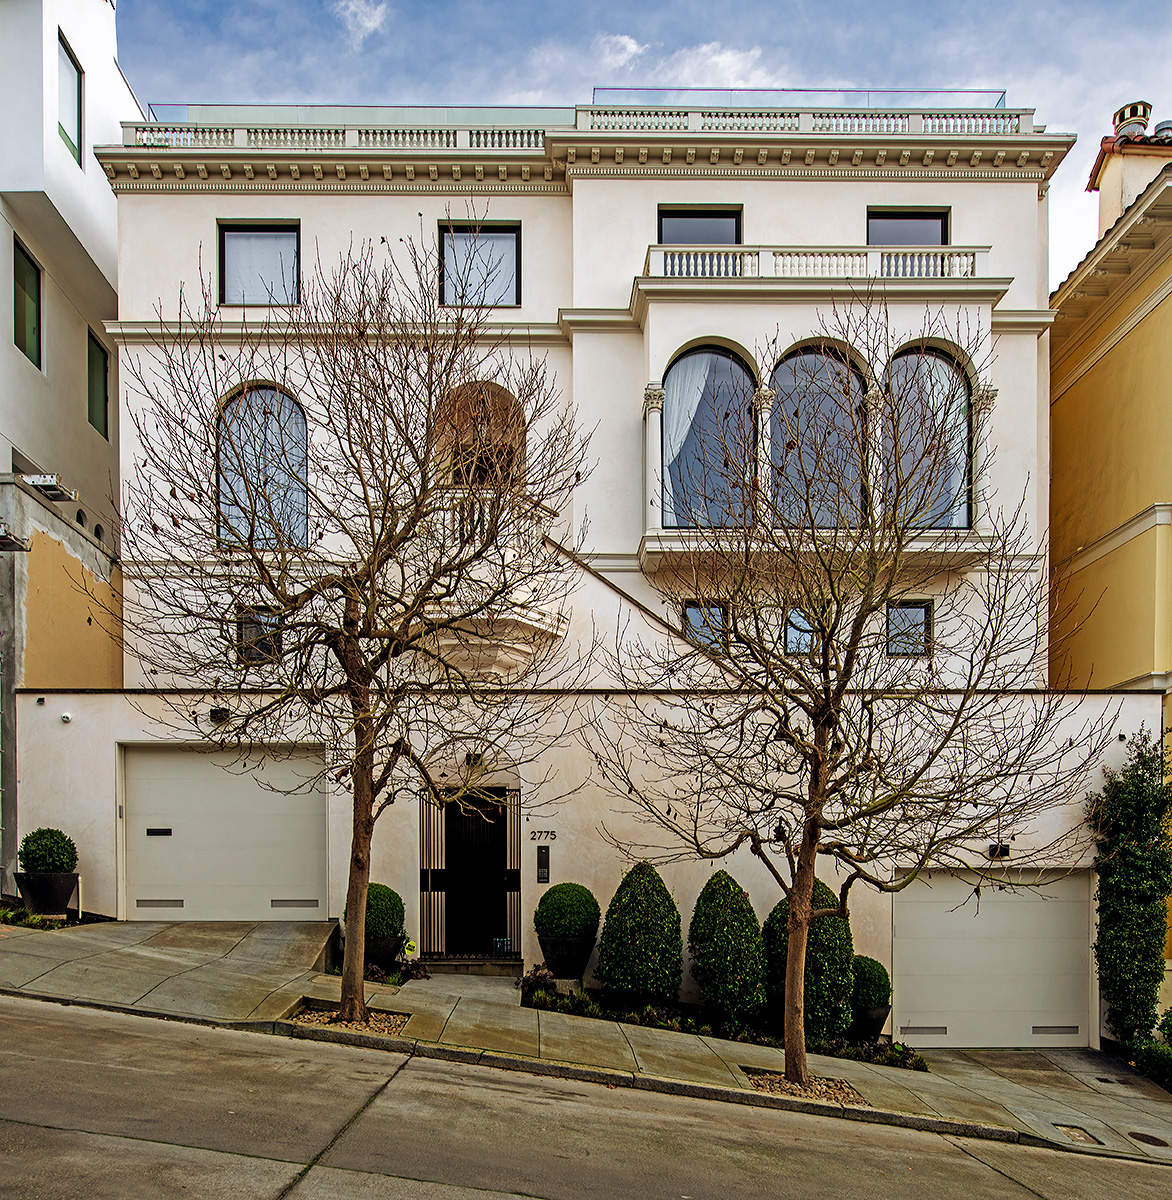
(1074, 62)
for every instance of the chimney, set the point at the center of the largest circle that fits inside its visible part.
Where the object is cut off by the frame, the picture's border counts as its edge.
(1128, 161)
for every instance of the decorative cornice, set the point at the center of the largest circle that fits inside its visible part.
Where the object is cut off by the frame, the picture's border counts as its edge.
(706, 170)
(312, 186)
(1022, 320)
(149, 333)
(1133, 527)
(596, 320)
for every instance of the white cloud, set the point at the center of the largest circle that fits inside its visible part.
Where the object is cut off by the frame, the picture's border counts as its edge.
(616, 50)
(361, 17)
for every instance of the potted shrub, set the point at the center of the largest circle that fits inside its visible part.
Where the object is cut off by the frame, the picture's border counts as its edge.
(48, 870)
(870, 1000)
(566, 921)
(386, 934)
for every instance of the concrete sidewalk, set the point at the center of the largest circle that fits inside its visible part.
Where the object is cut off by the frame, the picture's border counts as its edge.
(257, 975)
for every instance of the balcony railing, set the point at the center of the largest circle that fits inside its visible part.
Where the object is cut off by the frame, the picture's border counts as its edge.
(816, 262)
(863, 122)
(182, 136)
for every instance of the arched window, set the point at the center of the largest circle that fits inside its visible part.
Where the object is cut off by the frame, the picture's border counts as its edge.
(262, 482)
(927, 435)
(709, 439)
(480, 435)
(818, 440)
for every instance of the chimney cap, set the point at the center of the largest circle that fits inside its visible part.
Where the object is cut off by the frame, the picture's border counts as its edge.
(1163, 131)
(1132, 119)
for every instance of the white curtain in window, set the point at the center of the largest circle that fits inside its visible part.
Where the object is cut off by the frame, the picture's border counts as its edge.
(480, 267)
(684, 391)
(260, 266)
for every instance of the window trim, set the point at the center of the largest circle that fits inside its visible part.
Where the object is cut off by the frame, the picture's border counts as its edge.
(928, 609)
(223, 227)
(74, 151)
(19, 248)
(703, 210)
(703, 635)
(809, 631)
(265, 649)
(475, 227)
(92, 342)
(912, 214)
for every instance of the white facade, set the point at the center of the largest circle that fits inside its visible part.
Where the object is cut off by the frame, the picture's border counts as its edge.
(601, 300)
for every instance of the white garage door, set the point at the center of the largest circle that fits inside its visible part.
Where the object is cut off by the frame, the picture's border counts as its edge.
(208, 841)
(1013, 972)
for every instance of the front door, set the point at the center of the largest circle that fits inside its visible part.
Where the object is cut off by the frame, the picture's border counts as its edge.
(470, 884)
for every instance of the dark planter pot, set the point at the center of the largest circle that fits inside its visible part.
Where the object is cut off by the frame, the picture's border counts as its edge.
(566, 957)
(868, 1023)
(46, 891)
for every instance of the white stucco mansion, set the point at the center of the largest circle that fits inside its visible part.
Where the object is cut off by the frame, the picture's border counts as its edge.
(637, 236)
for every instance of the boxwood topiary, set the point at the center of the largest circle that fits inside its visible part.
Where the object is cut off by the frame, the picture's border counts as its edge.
(728, 957)
(47, 850)
(641, 953)
(872, 984)
(829, 967)
(384, 920)
(567, 910)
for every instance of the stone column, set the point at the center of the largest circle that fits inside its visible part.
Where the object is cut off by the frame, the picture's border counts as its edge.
(653, 395)
(763, 399)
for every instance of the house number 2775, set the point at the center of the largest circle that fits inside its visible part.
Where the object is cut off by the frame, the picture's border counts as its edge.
(543, 835)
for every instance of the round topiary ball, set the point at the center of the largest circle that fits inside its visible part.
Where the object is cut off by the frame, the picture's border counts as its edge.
(728, 956)
(47, 850)
(567, 910)
(641, 953)
(829, 967)
(872, 987)
(384, 913)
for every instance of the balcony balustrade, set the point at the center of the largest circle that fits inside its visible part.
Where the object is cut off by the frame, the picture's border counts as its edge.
(817, 262)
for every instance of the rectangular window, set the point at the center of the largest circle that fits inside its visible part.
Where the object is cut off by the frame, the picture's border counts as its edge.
(907, 228)
(909, 628)
(706, 623)
(258, 634)
(260, 264)
(68, 99)
(26, 278)
(699, 227)
(98, 375)
(481, 265)
(800, 637)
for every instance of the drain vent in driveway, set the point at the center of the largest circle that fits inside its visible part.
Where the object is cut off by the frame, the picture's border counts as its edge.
(1148, 1139)
(1079, 1135)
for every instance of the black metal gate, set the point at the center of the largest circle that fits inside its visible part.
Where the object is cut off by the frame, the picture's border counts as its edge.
(470, 876)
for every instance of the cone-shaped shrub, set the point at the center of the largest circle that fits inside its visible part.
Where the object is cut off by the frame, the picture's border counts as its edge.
(829, 967)
(641, 952)
(728, 956)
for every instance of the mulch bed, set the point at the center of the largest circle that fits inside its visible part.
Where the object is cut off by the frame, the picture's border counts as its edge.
(832, 1091)
(380, 1024)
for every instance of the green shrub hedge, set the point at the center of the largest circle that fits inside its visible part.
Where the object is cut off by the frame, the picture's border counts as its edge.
(384, 918)
(728, 956)
(829, 968)
(872, 987)
(567, 910)
(641, 951)
(1154, 1059)
(47, 850)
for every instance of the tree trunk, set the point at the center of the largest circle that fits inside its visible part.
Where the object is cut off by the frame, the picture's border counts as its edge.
(798, 930)
(353, 1004)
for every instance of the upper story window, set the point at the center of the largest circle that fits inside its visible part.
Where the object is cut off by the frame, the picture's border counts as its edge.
(801, 637)
(706, 623)
(699, 226)
(818, 440)
(262, 459)
(26, 306)
(709, 438)
(907, 227)
(258, 634)
(98, 386)
(481, 265)
(927, 440)
(909, 628)
(69, 76)
(260, 264)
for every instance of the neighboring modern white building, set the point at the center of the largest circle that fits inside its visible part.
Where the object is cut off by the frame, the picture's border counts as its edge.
(62, 93)
(640, 228)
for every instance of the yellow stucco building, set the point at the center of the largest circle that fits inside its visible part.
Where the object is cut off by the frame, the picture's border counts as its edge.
(1111, 431)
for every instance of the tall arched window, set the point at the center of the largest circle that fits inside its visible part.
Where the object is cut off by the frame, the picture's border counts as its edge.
(709, 439)
(262, 459)
(927, 435)
(818, 440)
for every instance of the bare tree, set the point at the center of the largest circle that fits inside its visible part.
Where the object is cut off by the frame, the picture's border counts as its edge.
(336, 529)
(861, 664)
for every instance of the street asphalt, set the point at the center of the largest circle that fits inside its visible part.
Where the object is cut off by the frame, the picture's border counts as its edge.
(98, 1104)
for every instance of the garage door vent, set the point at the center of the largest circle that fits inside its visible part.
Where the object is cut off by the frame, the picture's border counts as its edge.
(1071, 1030)
(924, 1030)
(158, 904)
(293, 904)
